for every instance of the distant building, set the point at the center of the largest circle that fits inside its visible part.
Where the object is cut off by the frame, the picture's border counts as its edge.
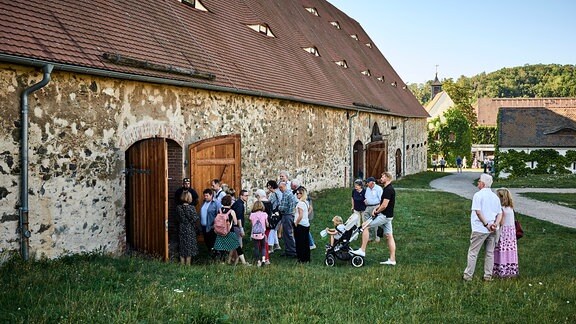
(533, 128)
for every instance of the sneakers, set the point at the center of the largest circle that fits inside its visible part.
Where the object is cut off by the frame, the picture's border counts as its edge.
(359, 252)
(377, 239)
(488, 279)
(466, 278)
(388, 262)
(259, 264)
(312, 247)
(277, 247)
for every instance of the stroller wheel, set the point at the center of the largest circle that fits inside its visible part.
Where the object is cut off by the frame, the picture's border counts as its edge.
(357, 261)
(330, 261)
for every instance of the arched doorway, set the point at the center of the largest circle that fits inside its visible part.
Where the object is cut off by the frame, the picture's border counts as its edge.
(358, 166)
(147, 195)
(376, 158)
(398, 163)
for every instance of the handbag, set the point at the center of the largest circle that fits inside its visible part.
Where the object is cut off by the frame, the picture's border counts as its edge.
(519, 230)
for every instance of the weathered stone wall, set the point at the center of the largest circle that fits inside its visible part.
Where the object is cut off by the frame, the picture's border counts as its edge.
(80, 127)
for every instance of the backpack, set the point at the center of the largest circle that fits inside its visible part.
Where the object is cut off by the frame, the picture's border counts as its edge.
(222, 223)
(258, 230)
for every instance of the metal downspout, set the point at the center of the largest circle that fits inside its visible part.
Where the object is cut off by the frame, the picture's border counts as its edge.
(23, 223)
(351, 146)
(404, 146)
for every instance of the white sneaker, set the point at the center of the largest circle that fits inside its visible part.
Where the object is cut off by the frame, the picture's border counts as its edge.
(388, 262)
(359, 252)
(377, 239)
(312, 247)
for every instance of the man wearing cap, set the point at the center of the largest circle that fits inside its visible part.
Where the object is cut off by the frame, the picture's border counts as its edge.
(373, 195)
(185, 186)
(486, 214)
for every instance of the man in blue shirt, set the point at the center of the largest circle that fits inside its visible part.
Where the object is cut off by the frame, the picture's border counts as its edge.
(288, 203)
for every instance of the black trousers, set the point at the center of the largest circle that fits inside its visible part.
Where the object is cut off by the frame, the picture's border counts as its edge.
(302, 238)
(209, 238)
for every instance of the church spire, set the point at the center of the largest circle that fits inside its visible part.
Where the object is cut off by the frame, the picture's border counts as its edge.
(436, 86)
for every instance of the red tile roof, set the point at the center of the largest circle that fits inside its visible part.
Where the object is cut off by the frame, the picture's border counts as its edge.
(170, 33)
(529, 127)
(487, 108)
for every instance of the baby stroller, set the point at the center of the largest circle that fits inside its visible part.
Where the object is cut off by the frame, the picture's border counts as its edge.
(341, 249)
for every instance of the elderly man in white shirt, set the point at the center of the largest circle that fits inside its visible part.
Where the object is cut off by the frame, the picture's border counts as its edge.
(373, 196)
(486, 214)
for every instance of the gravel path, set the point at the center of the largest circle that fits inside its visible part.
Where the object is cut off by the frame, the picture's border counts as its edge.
(462, 185)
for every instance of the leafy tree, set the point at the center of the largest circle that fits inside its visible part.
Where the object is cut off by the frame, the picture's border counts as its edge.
(484, 135)
(421, 91)
(452, 137)
(528, 81)
(462, 94)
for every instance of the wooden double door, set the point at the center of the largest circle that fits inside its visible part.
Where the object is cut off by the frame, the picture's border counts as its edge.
(154, 172)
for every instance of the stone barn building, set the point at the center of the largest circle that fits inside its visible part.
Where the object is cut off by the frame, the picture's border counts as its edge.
(107, 105)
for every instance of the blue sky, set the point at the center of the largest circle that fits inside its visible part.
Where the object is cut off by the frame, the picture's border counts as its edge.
(466, 37)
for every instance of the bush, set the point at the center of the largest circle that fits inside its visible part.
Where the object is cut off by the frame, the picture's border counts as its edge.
(548, 161)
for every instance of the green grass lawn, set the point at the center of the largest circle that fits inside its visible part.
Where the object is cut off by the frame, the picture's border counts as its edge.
(538, 181)
(431, 230)
(562, 199)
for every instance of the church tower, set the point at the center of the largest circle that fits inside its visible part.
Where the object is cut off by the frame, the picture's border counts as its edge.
(436, 86)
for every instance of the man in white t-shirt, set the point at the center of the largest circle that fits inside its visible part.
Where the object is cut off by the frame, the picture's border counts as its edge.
(373, 196)
(486, 214)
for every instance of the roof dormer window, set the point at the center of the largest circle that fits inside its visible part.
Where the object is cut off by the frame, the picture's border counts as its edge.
(342, 64)
(335, 24)
(312, 10)
(366, 73)
(354, 36)
(369, 45)
(196, 4)
(312, 50)
(262, 29)
(381, 79)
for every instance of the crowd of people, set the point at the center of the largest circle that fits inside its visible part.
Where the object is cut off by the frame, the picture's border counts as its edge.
(283, 212)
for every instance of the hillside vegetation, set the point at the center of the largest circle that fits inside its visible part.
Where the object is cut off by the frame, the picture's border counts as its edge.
(528, 81)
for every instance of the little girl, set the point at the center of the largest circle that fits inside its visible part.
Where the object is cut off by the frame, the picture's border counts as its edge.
(259, 220)
(336, 232)
(506, 249)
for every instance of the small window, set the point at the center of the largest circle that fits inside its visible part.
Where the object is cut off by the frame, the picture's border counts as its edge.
(312, 50)
(342, 64)
(312, 11)
(394, 84)
(366, 72)
(369, 45)
(381, 78)
(354, 36)
(196, 4)
(262, 29)
(335, 24)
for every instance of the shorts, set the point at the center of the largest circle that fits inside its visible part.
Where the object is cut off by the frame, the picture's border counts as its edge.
(385, 222)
